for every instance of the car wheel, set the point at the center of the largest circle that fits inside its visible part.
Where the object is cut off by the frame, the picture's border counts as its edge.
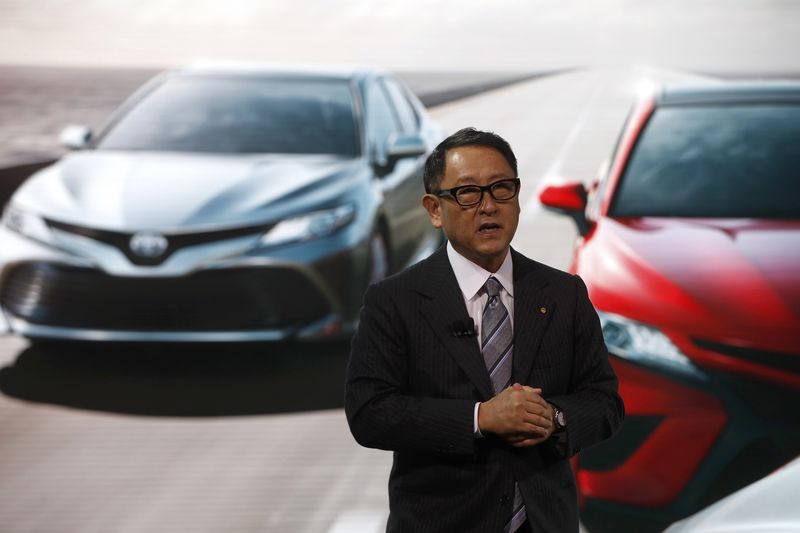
(379, 258)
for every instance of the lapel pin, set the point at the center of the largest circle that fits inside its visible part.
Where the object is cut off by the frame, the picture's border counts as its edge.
(543, 310)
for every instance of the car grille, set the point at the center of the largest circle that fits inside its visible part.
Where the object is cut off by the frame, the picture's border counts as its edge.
(121, 240)
(612, 453)
(764, 399)
(214, 300)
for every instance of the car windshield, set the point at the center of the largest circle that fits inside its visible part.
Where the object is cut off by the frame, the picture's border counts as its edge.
(715, 161)
(240, 115)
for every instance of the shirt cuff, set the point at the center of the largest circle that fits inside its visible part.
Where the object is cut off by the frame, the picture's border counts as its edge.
(476, 431)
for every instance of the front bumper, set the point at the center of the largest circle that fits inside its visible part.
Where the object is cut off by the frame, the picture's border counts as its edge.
(226, 291)
(253, 303)
(330, 327)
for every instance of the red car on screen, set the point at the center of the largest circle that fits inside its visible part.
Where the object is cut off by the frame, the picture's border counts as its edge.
(690, 247)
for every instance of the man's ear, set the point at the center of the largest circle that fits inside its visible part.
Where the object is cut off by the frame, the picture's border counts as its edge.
(431, 205)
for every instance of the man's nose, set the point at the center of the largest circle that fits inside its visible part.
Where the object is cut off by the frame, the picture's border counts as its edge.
(488, 203)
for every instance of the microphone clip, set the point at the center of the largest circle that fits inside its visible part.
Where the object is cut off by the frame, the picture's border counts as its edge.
(464, 328)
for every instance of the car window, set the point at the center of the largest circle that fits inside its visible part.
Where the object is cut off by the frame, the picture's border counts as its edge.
(409, 121)
(715, 161)
(381, 120)
(240, 115)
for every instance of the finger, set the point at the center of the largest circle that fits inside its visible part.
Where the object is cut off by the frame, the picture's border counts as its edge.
(527, 443)
(536, 415)
(526, 432)
(519, 436)
(539, 432)
(536, 405)
(523, 408)
(525, 399)
(538, 426)
(528, 391)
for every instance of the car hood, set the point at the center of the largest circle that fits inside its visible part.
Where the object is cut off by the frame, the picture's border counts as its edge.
(720, 279)
(128, 191)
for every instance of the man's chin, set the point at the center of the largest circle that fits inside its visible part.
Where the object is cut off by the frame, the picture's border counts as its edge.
(491, 246)
(496, 252)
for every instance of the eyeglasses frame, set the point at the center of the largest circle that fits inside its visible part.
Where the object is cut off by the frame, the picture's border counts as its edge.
(452, 192)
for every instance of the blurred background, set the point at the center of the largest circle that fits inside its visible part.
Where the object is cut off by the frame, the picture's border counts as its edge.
(251, 436)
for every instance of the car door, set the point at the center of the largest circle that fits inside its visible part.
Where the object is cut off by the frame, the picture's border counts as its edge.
(401, 183)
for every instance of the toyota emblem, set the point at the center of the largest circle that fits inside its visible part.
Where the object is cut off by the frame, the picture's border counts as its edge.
(148, 244)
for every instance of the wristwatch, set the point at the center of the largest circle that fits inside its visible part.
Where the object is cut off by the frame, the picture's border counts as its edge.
(559, 419)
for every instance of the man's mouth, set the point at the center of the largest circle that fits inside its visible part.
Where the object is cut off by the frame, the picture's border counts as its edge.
(488, 227)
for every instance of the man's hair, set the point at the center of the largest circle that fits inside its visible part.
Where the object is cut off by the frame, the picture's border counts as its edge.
(434, 165)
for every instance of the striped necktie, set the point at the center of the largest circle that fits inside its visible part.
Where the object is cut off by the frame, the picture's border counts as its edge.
(497, 347)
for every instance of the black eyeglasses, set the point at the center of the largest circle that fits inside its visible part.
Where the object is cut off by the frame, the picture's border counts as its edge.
(470, 195)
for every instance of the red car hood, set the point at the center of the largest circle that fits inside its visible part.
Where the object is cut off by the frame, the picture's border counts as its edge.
(731, 281)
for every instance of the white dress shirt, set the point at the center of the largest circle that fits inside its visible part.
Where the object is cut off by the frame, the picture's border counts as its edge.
(471, 279)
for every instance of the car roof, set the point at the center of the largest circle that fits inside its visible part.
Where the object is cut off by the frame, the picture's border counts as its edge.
(309, 71)
(731, 92)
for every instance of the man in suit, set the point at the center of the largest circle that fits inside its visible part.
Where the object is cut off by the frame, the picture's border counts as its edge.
(484, 371)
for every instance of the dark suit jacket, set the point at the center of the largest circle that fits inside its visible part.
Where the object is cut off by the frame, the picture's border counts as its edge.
(412, 387)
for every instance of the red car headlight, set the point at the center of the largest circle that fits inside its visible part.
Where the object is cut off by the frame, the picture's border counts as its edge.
(643, 343)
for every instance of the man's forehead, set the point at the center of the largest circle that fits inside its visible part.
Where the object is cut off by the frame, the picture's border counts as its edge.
(472, 148)
(466, 164)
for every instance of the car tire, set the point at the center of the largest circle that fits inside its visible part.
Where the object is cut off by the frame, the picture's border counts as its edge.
(378, 257)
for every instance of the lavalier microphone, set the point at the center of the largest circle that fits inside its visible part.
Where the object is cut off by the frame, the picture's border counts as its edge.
(464, 328)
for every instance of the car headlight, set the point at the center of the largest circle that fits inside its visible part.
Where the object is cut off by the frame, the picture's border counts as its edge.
(642, 343)
(25, 223)
(309, 226)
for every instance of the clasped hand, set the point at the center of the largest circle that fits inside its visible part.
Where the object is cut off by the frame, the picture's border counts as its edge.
(518, 415)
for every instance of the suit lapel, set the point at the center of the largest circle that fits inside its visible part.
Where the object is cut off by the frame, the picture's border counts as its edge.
(533, 308)
(444, 305)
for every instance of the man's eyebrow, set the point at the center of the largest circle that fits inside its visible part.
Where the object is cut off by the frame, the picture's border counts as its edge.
(470, 180)
(465, 180)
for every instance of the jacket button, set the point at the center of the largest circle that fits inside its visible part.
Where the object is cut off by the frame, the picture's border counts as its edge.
(504, 498)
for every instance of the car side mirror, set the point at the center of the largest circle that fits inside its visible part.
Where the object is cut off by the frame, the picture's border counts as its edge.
(568, 199)
(400, 146)
(75, 137)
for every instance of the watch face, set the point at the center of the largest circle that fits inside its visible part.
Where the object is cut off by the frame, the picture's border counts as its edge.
(560, 420)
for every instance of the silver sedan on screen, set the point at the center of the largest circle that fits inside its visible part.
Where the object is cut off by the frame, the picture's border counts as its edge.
(222, 204)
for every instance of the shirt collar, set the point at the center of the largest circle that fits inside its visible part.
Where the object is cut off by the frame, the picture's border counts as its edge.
(472, 277)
